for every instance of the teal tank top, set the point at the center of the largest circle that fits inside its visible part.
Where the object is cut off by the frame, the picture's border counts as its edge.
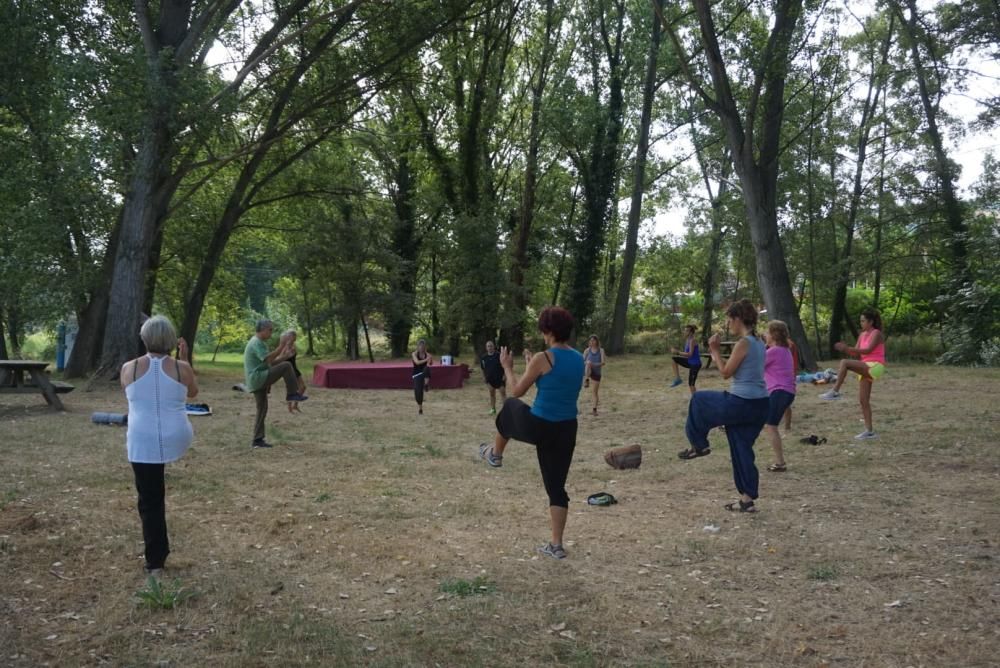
(748, 381)
(559, 389)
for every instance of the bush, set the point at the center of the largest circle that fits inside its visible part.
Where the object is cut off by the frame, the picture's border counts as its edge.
(989, 353)
(39, 346)
(647, 343)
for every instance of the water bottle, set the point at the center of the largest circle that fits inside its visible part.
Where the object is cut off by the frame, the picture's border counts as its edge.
(109, 418)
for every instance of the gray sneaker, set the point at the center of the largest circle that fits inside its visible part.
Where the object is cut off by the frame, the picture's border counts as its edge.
(866, 436)
(830, 395)
(486, 454)
(554, 551)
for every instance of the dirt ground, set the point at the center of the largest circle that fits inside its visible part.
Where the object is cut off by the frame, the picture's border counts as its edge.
(371, 536)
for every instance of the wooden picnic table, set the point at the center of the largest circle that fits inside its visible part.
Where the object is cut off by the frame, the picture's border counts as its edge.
(12, 381)
(725, 350)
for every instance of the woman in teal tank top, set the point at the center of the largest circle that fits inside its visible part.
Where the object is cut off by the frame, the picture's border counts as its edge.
(550, 423)
(742, 410)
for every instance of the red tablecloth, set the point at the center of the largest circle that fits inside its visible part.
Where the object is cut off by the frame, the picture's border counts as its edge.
(385, 375)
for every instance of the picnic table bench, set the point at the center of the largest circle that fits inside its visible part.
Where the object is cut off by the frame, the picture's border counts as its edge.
(725, 350)
(12, 381)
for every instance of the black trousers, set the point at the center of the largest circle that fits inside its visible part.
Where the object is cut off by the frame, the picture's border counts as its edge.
(150, 485)
(554, 442)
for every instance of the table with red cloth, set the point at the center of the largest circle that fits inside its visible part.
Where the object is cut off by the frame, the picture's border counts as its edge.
(385, 375)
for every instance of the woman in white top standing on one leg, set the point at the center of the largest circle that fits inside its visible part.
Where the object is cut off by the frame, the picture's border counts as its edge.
(159, 431)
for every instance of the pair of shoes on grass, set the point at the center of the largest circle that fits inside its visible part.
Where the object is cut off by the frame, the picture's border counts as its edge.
(486, 454)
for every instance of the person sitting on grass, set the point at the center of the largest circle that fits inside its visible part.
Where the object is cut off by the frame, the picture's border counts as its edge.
(870, 348)
(688, 358)
(550, 424)
(779, 374)
(742, 410)
(159, 431)
(493, 375)
(263, 369)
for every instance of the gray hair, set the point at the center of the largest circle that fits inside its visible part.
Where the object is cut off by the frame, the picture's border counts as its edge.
(290, 332)
(263, 324)
(158, 335)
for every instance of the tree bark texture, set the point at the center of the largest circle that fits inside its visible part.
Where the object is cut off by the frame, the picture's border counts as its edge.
(954, 214)
(619, 322)
(519, 267)
(876, 83)
(755, 163)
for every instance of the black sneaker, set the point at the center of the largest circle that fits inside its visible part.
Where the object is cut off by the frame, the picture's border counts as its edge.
(261, 444)
(296, 397)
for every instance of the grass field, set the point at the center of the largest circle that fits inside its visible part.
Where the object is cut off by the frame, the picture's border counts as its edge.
(369, 536)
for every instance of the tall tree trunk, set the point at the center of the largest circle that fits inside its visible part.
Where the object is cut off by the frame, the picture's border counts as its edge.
(619, 322)
(3, 340)
(880, 208)
(13, 329)
(811, 208)
(406, 247)
(307, 311)
(368, 340)
(759, 173)
(876, 82)
(710, 283)
(567, 235)
(519, 266)
(151, 184)
(954, 214)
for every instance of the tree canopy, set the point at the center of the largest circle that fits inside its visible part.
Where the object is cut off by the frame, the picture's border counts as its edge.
(446, 168)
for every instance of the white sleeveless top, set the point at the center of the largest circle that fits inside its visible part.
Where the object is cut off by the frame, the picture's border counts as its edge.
(159, 430)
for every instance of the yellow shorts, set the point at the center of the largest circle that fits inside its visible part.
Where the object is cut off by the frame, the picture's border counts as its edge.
(875, 370)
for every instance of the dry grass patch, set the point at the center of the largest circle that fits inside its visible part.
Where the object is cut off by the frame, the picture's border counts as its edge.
(372, 536)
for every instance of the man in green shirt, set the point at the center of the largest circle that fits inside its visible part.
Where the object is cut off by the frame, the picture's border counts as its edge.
(263, 369)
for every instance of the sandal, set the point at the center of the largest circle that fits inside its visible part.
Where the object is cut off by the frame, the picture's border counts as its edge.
(741, 507)
(692, 453)
(778, 468)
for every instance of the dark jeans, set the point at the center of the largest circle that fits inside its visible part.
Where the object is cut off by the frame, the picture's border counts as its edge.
(276, 372)
(153, 512)
(743, 420)
(554, 442)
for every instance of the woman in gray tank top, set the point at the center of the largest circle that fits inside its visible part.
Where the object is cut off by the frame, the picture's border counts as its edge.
(742, 410)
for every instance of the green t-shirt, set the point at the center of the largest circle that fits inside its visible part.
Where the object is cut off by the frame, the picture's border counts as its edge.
(254, 366)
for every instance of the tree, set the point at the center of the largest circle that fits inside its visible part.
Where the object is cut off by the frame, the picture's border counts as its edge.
(616, 342)
(754, 142)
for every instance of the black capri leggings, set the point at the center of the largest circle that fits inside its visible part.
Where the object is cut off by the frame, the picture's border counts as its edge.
(420, 380)
(692, 370)
(554, 442)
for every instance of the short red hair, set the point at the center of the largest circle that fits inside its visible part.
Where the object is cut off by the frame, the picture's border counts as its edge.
(557, 321)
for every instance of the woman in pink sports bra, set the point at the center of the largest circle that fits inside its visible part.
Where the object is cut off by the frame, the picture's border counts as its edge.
(870, 349)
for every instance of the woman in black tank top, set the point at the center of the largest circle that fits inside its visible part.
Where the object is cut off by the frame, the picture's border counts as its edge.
(422, 361)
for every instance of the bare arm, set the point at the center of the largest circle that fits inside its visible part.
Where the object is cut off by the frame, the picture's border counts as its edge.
(188, 378)
(728, 367)
(518, 387)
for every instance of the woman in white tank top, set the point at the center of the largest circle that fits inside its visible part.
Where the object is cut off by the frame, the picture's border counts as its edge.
(159, 431)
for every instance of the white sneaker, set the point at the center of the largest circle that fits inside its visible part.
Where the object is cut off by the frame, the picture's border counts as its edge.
(830, 395)
(866, 436)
